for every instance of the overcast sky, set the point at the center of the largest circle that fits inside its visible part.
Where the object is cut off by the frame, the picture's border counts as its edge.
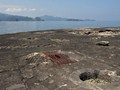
(92, 9)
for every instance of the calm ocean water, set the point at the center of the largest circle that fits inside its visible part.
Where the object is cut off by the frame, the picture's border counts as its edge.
(13, 27)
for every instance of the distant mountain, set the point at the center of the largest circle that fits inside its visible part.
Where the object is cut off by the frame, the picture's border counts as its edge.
(80, 20)
(3, 16)
(52, 18)
(6, 17)
(74, 20)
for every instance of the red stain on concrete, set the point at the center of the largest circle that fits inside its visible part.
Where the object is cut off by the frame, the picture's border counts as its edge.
(58, 58)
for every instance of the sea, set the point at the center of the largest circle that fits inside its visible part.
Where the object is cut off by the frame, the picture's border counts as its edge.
(7, 27)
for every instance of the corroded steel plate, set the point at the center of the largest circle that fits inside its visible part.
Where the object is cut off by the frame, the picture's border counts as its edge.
(58, 58)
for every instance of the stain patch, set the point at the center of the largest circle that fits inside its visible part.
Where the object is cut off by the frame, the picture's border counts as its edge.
(58, 58)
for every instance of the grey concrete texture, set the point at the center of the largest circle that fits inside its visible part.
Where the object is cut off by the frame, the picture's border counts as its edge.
(95, 53)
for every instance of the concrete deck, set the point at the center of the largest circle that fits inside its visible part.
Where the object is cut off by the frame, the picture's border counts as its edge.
(24, 64)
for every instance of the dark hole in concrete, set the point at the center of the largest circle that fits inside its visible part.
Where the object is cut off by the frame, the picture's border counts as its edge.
(105, 30)
(29, 38)
(118, 73)
(99, 44)
(89, 75)
(103, 43)
(38, 45)
(57, 56)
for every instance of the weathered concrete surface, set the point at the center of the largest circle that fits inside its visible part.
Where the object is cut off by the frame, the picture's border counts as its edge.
(24, 66)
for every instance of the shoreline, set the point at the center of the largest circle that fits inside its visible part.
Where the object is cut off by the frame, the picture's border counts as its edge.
(64, 59)
(63, 29)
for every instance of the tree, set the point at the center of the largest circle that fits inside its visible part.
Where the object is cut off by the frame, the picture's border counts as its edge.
(38, 19)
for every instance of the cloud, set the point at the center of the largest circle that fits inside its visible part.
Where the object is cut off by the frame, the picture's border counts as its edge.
(13, 9)
(32, 9)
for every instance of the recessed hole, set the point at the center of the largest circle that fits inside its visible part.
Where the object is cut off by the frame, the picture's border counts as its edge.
(29, 38)
(57, 56)
(118, 73)
(105, 30)
(89, 75)
(38, 45)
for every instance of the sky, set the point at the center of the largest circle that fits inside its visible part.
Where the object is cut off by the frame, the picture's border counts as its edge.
(82, 9)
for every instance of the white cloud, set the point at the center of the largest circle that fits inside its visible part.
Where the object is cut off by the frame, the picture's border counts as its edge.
(20, 9)
(32, 9)
(13, 10)
(24, 9)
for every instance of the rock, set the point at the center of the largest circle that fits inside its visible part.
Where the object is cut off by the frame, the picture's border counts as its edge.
(88, 33)
(103, 43)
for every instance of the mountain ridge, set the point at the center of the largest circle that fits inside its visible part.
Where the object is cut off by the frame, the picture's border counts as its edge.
(55, 18)
(7, 17)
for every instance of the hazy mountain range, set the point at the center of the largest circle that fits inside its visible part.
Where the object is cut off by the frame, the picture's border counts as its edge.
(52, 18)
(7, 17)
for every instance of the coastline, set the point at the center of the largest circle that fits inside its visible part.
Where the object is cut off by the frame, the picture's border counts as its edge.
(57, 59)
(13, 27)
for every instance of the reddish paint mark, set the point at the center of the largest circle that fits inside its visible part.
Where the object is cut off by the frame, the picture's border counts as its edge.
(58, 58)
